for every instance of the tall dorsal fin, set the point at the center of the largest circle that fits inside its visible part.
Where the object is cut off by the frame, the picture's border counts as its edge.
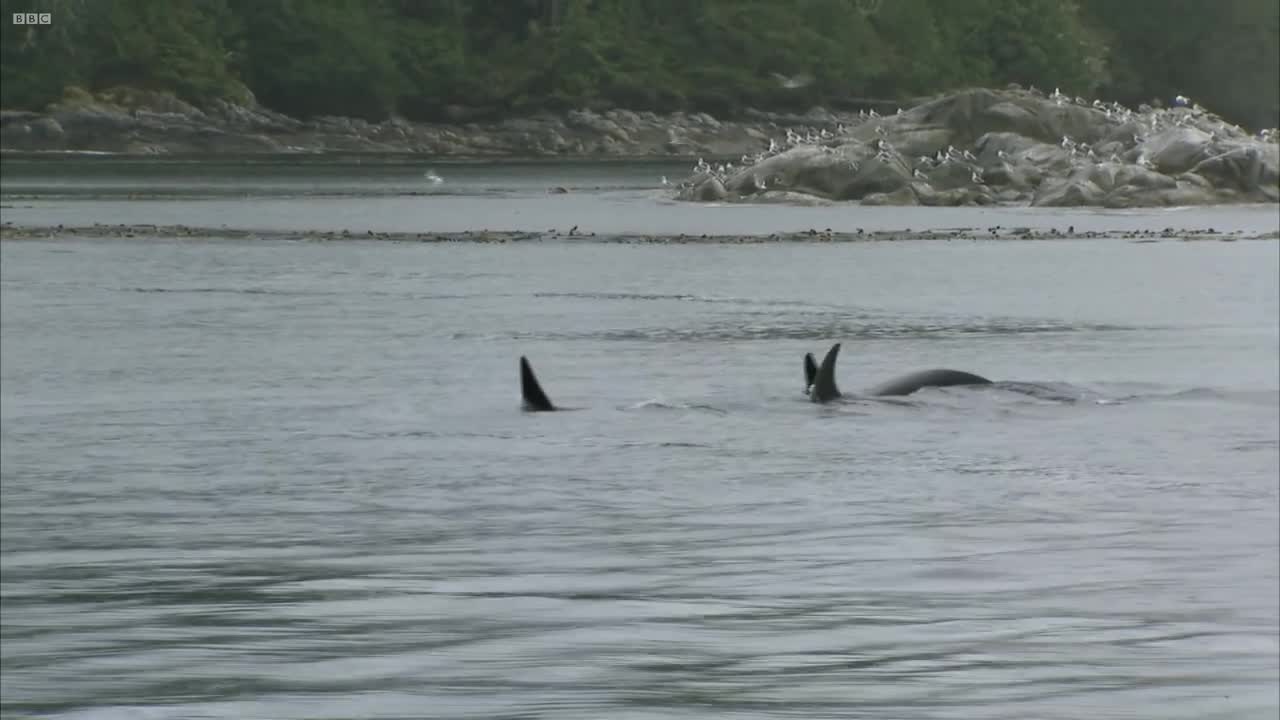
(530, 391)
(810, 371)
(824, 384)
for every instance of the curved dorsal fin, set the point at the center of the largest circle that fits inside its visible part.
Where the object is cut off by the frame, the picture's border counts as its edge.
(810, 371)
(535, 400)
(824, 384)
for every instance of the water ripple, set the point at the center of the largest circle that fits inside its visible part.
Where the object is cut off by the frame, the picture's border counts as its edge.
(221, 503)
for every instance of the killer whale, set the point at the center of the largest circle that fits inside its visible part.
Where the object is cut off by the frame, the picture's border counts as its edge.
(533, 398)
(820, 380)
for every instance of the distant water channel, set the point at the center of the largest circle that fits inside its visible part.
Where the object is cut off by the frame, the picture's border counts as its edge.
(394, 194)
(264, 478)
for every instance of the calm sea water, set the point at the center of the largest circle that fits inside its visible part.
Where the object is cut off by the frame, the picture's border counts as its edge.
(270, 479)
(394, 194)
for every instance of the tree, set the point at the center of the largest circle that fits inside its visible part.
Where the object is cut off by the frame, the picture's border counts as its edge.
(321, 57)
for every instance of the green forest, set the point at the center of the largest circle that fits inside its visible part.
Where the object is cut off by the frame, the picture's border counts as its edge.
(446, 59)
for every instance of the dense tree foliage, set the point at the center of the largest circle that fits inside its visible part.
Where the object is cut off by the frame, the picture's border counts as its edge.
(425, 59)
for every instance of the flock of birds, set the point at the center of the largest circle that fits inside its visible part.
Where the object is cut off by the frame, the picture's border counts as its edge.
(1149, 120)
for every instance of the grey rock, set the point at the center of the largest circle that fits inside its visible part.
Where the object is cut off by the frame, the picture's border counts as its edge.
(1067, 192)
(985, 146)
(1242, 167)
(1176, 149)
(905, 195)
(710, 190)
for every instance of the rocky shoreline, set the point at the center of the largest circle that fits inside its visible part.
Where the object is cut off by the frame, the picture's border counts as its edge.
(146, 123)
(973, 147)
(9, 231)
(985, 147)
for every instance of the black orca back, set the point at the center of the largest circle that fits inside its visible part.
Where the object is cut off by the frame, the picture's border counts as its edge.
(824, 382)
(907, 384)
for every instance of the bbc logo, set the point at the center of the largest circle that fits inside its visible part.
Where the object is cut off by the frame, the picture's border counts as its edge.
(33, 18)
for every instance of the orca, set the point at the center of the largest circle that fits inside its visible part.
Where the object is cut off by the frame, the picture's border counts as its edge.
(810, 371)
(534, 399)
(823, 387)
(820, 383)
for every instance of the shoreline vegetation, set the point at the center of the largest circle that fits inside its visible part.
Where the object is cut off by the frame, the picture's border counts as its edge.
(481, 61)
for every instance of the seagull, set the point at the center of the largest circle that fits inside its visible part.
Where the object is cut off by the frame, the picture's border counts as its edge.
(795, 81)
(976, 176)
(432, 177)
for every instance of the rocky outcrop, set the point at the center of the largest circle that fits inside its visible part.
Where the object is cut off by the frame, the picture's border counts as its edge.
(973, 147)
(132, 121)
(1016, 146)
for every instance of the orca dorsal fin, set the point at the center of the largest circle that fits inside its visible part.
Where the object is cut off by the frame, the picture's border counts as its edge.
(810, 371)
(824, 384)
(535, 400)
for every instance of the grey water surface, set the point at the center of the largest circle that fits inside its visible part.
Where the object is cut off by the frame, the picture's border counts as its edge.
(396, 194)
(274, 479)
